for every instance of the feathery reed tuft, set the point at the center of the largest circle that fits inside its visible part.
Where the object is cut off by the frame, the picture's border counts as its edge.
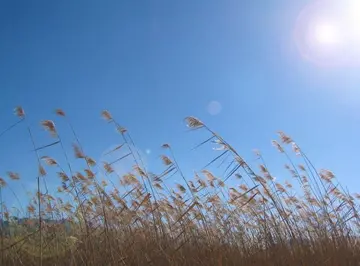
(19, 112)
(193, 122)
(60, 112)
(50, 127)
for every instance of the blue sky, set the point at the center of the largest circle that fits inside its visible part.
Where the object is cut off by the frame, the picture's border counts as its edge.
(152, 63)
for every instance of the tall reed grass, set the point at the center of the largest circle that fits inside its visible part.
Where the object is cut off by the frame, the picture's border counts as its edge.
(245, 217)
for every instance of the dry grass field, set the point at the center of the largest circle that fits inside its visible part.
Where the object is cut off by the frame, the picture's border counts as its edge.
(308, 220)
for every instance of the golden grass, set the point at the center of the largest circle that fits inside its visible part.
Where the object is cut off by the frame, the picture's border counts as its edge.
(140, 220)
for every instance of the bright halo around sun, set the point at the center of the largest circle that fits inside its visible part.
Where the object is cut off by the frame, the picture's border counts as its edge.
(327, 32)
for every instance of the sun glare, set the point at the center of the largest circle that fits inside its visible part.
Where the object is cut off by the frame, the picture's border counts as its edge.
(328, 32)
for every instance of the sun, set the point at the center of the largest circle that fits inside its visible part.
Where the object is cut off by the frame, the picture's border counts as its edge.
(326, 33)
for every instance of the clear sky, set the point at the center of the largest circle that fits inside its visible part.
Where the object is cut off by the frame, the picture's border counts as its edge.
(152, 63)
